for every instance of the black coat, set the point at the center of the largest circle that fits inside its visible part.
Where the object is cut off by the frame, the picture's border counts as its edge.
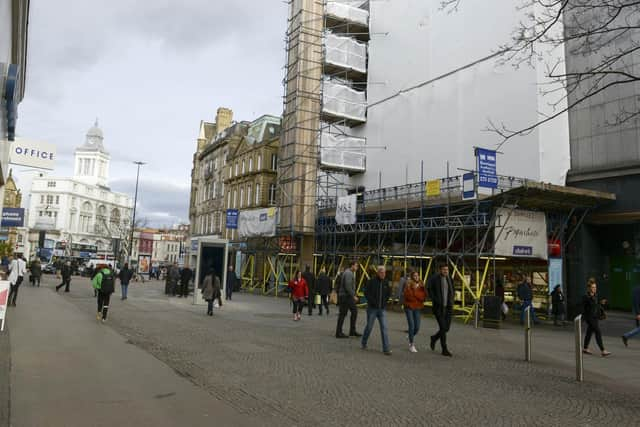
(557, 301)
(323, 284)
(311, 281)
(65, 272)
(590, 308)
(377, 292)
(434, 286)
(125, 275)
(185, 275)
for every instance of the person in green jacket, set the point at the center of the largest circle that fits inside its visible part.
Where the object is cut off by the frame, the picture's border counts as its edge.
(104, 284)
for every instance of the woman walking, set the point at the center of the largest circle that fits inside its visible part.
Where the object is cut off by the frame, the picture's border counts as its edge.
(299, 293)
(592, 313)
(414, 297)
(211, 290)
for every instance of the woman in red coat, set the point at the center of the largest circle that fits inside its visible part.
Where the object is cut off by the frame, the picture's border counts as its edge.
(299, 294)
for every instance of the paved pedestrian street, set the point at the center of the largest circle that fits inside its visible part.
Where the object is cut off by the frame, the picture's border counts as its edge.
(250, 363)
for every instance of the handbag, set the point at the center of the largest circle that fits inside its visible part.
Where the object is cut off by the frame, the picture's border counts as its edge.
(602, 315)
(317, 300)
(333, 298)
(505, 309)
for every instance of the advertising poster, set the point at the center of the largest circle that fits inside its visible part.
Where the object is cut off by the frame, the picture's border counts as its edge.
(346, 209)
(144, 264)
(4, 299)
(521, 234)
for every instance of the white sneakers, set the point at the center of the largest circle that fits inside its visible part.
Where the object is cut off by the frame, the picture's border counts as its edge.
(413, 349)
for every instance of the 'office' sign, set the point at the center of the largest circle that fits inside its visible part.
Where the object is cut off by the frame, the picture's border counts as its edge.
(33, 154)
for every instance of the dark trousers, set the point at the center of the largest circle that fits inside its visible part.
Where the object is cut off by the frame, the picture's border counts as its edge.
(324, 301)
(228, 291)
(65, 282)
(184, 289)
(103, 303)
(298, 305)
(593, 327)
(13, 291)
(444, 323)
(36, 281)
(347, 303)
(311, 302)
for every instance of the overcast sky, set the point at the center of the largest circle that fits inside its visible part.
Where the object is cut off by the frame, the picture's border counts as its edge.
(149, 71)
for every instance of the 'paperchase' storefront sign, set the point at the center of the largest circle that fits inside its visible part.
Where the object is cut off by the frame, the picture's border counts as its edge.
(33, 154)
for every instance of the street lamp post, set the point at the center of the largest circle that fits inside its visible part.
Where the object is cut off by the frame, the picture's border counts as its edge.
(135, 202)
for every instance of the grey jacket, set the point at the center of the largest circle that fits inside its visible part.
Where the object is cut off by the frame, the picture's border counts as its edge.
(347, 284)
(211, 288)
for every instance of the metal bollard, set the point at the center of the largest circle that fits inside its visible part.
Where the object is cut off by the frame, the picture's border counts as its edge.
(527, 334)
(577, 326)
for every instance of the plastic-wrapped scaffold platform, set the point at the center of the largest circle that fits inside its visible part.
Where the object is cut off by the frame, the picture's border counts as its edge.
(343, 152)
(345, 52)
(348, 13)
(341, 101)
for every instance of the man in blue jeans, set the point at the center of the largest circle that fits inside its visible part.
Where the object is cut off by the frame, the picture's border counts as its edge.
(635, 299)
(377, 292)
(525, 293)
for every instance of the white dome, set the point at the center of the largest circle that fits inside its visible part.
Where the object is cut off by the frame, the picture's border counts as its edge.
(95, 132)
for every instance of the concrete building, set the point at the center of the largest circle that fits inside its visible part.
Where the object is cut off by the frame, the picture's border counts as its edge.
(250, 178)
(605, 155)
(82, 209)
(14, 22)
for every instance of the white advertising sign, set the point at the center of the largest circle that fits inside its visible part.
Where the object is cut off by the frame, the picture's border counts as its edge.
(4, 300)
(346, 210)
(521, 234)
(33, 154)
(257, 222)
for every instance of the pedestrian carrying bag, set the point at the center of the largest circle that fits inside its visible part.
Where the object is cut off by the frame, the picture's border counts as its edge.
(107, 285)
(317, 300)
(505, 309)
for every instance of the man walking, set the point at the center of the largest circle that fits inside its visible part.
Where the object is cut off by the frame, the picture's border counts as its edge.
(440, 288)
(185, 277)
(125, 276)
(347, 300)
(525, 293)
(323, 288)
(232, 280)
(377, 292)
(65, 272)
(17, 270)
(310, 278)
(174, 277)
(36, 272)
(104, 284)
(635, 300)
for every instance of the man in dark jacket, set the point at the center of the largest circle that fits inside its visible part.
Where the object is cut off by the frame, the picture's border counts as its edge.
(323, 287)
(440, 288)
(635, 302)
(377, 292)
(310, 278)
(36, 272)
(185, 277)
(232, 281)
(125, 276)
(525, 293)
(65, 272)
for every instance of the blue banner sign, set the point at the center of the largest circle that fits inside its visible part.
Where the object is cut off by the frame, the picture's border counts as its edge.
(487, 170)
(232, 219)
(12, 217)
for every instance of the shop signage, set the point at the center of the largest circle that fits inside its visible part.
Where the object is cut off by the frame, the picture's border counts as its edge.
(346, 209)
(4, 299)
(33, 154)
(487, 169)
(232, 219)
(433, 188)
(520, 234)
(12, 217)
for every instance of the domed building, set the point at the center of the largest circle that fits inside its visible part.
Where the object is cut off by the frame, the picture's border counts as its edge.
(81, 215)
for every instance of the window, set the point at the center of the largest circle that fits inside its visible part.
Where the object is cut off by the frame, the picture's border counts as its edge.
(224, 158)
(257, 194)
(243, 170)
(236, 169)
(250, 164)
(215, 164)
(259, 162)
(274, 162)
(272, 194)
(229, 200)
(248, 195)
(49, 200)
(51, 184)
(235, 198)
(241, 197)
(40, 213)
(57, 200)
(230, 171)
(214, 187)
(42, 199)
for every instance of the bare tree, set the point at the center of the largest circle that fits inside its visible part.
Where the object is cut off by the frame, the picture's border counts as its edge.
(601, 39)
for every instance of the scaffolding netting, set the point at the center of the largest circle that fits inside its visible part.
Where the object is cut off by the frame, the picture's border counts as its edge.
(346, 12)
(340, 100)
(345, 52)
(342, 152)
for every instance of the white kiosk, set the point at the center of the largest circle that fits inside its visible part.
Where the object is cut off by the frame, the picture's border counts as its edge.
(207, 253)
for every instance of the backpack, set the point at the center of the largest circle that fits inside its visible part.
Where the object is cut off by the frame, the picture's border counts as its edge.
(107, 285)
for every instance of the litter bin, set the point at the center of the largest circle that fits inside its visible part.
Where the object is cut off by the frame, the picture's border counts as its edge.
(492, 317)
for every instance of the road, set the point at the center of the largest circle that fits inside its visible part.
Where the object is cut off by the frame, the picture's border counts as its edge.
(251, 361)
